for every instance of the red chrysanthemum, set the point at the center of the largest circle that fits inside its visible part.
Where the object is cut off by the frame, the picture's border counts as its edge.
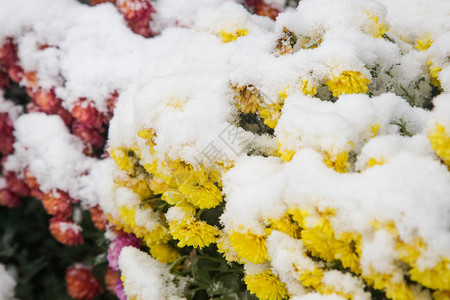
(9, 199)
(66, 232)
(85, 113)
(57, 204)
(17, 185)
(262, 8)
(98, 217)
(111, 278)
(138, 14)
(47, 101)
(6, 134)
(81, 283)
(88, 135)
(96, 2)
(8, 54)
(15, 72)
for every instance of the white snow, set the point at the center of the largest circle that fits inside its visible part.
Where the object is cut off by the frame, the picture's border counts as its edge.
(7, 284)
(146, 278)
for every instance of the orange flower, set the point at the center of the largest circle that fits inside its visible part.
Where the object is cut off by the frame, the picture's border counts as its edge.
(82, 283)
(111, 278)
(57, 204)
(66, 232)
(98, 217)
(85, 113)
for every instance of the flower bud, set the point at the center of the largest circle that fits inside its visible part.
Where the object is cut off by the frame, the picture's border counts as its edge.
(116, 247)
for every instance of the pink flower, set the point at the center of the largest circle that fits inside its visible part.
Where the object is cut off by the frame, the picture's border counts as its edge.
(116, 247)
(119, 290)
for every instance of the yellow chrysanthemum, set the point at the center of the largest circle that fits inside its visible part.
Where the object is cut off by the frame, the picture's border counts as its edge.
(374, 129)
(151, 168)
(440, 142)
(141, 187)
(307, 88)
(271, 114)
(159, 235)
(176, 103)
(347, 248)
(148, 135)
(441, 295)
(338, 162)
(128, 224)
(299, 216)
(127, 215)
(158, 185)
(373, 161)
(172, 196)
(224, 247)
(122, 159)
(309, 42)
(434, 74)
(311, 278)
(398, 290)
(285, 154)
(227, 36)
(202, 196)
(424, 43)
(247, 97)
(377, 28)
(319, 240)
(348, 82)
(410, 252)
(283, 94)
(437, 278)
(191, 232)
(164, 253)
(286, 225)
(249, 246)
(266, 286)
